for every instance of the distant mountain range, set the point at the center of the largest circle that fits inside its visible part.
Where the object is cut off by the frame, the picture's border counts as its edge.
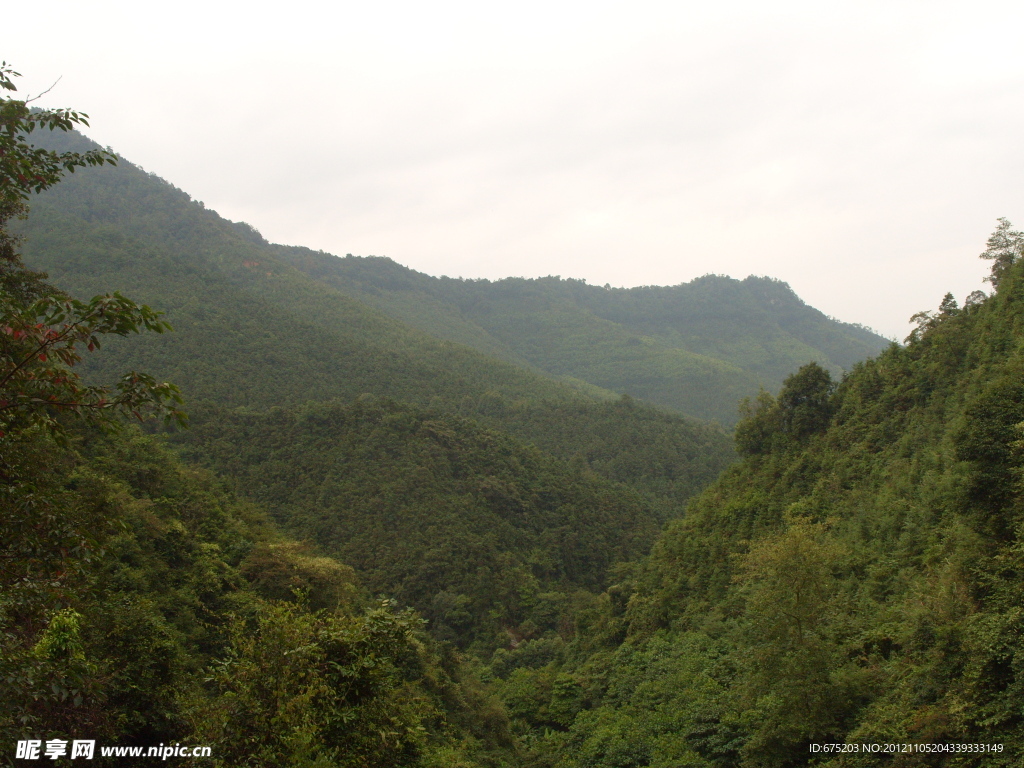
(695, 348)
(245, 310)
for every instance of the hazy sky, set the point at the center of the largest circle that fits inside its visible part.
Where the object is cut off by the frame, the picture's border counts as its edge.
(860, 152)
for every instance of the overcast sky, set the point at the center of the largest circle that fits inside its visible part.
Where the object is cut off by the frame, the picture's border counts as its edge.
(860, 152)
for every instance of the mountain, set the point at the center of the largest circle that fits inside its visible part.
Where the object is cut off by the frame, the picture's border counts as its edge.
(144, 600)
(856, 580)
(695, 348)
(244, 309)
(241, 315)
(421, 462)
(253, 331)
(142, 603)
(848, 594)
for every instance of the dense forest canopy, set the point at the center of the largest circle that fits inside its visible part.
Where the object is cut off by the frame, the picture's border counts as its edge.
(855, 580)
(695, 348)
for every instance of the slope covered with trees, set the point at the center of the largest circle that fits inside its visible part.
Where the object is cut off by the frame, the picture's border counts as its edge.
(696, 348)
(348, 326)
(856, 579)
(141, 603)
(487, 538)
(171, 611)
(252, 331)
(241, 315)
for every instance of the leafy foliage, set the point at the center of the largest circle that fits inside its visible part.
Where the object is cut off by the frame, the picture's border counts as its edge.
(40, 326)
(480, 533)
(857, 578)
(38, 347)
(803, 408)
(126, 579)
(24, 168)
(176, 623)
(1005, 248)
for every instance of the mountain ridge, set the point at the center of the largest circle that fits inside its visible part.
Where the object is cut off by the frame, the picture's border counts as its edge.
(670, 345)
(696, 348)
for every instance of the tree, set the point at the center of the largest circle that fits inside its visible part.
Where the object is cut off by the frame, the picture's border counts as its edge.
(39, 345)
(41, 328)
(758, 424)
(803, 408)
(318, 689)
(49, 534)
(805, 401)
(1005, 248)
(789, 684)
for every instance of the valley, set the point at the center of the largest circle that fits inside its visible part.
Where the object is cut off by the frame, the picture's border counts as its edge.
(433, 522)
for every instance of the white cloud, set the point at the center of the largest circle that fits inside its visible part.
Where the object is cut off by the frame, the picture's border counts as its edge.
(861, 153)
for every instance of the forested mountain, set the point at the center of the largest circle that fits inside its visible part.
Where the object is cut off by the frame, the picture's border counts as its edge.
(147, 602)
(243, 308)
(253, 331)
(855, 580)
(695, 348)
(144, 604)
(414, 496)
(241, 315)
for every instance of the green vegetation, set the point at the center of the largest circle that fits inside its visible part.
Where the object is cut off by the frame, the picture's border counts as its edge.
(348, 326)
(141, 603)
(856, 579)
(242, 316)
(394, 537)
(695, 348)
(487, 538)
(171, 611)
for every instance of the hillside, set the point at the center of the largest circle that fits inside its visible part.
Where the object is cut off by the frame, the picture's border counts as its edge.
(343, 327)
(487, 538)
(856, 579)
(241, 315)
(252, 331)
(420, 462)
(142, 603)
(695, 348)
